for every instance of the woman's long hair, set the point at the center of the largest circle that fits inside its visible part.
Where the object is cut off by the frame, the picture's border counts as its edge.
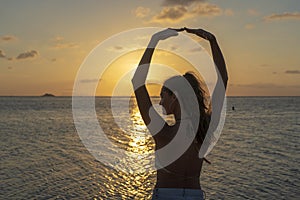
(175, 85)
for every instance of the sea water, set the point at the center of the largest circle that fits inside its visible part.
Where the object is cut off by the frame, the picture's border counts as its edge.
(42, 156)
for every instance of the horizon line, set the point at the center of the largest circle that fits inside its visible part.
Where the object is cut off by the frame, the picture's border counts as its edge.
(121, 96)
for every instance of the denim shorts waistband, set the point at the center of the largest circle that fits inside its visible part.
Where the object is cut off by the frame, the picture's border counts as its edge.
(179, 191)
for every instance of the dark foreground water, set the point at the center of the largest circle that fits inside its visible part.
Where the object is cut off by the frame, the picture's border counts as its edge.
(42, 156)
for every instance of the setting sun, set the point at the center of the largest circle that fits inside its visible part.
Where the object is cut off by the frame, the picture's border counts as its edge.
(119, 73)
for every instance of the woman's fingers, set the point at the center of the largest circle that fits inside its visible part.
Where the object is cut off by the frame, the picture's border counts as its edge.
(170, 32)
(177, 29)
(201, 33)
(189, 30)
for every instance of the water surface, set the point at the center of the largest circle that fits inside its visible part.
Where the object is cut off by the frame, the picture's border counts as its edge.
(42, 156)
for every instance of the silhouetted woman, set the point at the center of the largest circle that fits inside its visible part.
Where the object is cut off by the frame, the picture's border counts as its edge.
(183, 96)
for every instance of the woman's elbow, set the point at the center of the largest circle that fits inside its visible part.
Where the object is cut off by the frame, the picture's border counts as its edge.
(137, 82)
(225, 81)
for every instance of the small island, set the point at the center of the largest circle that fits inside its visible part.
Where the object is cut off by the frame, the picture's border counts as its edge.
(48, 95)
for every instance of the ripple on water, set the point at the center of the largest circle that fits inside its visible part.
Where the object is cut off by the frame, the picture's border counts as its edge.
(42, 157)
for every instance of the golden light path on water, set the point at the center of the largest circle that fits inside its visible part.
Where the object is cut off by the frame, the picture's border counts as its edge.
(137, 141)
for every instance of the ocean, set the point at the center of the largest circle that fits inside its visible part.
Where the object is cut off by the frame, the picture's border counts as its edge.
(43, 157)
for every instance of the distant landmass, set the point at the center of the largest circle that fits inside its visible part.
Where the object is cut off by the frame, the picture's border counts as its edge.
(48, 95)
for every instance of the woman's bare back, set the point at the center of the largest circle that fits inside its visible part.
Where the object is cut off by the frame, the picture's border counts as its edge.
(185, 171)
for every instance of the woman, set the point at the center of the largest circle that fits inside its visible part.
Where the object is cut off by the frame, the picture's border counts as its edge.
(182, 96)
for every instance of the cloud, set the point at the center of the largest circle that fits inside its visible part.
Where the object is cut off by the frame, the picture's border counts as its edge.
(174, 47)
(2, 54)
(117, 48)
(283, 16)
(206, 9)
(60, 43)
(28, 54)
(141, 12)
(292, 71)
(63, 45)
(180, 2)
(127, 48)
(249, 26)
(8, 38)
(174, 11)
(180, 12)
(171, 14)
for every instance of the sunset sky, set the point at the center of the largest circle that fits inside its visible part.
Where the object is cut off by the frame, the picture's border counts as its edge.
(44, 43)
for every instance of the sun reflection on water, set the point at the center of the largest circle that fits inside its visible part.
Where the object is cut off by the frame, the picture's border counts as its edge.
(139, 147)
(140, 140)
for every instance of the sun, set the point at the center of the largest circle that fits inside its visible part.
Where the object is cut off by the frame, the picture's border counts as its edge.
(116, 79)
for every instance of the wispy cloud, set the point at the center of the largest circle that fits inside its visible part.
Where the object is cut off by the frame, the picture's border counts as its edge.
(283, 16)
(117, 48)
(60, 43)
(2, 54)
(141, 12)
(179, 11)
(172, 14)
(174, 47)
(180, 2)
(207, 9)
(174, 11)
(8, 38)
(28, 54)
(129, 48)
(64, 45)
(292, 71)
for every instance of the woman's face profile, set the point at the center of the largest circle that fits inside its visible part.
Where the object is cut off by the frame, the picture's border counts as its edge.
(166, 101)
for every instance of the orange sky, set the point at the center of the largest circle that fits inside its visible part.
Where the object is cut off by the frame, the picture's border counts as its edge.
(43, 44)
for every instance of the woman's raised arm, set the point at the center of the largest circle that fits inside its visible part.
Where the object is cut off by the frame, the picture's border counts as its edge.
(216, 52)
(139, 78)
(218, 95)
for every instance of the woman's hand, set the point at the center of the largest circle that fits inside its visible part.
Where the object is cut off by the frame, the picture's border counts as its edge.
(162, 35)
(201, 33)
